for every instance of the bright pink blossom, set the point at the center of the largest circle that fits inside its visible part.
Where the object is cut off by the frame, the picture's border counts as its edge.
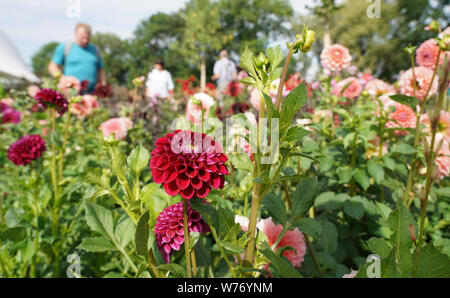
(352, 85)
(335, 57)
(117, 126)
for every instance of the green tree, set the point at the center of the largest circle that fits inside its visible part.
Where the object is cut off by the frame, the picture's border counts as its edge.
(40, 60)
(202, 35)
(114, 52)
(255, 22)
(152, 39)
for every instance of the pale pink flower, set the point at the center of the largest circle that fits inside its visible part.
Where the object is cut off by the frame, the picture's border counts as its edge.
(443, 126)
(304, 123)
(427, 54)
(117, 126)
(403, 116)
(322, 116)
(378, 87)
(353, 90)
(8, 101)
(423, 76)
(443, 161)
(85, 106)
(194, 109)
(352, 274)
(293, 238)
(335, 57)
(33, 90)
(68, 82)
(255, 99)
(364, 78)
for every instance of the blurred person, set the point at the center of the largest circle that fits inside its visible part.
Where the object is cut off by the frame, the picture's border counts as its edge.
(224, 73)
(80, 59)
(159, 82)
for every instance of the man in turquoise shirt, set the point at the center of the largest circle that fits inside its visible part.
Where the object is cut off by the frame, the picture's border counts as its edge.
(79, 58)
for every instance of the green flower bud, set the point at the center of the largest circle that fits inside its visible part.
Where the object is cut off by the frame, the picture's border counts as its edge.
(410, 50)
(309, 38)
(444, 43)
(261, 60)
(433, 26)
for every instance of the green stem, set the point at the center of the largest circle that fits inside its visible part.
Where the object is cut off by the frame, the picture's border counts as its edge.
(275, 244)
(313, 255)
(222, 252)
(256, 201)
(283, 77)
(186, 238)
(152, 263)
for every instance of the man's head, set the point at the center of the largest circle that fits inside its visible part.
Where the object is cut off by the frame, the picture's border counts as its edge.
(159, 64)
(223, 54)
(82, 34)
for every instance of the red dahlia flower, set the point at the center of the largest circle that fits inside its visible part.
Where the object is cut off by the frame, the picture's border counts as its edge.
(169, 229)
(188, 163)
(26, 149)
(49, 98)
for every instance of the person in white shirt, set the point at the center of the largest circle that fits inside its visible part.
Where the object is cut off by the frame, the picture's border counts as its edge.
(224, 72)
(159, 82)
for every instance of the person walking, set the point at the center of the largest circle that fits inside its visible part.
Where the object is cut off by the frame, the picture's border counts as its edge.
(79, 58)
(159, 82)
(224, 73)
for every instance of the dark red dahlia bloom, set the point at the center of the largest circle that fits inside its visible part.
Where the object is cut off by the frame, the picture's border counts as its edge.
(102, 91)
(239, 107)
(233, 89)
(188, 163)
(26, 149)
(49, 98)
(169, 229)
(4, 107)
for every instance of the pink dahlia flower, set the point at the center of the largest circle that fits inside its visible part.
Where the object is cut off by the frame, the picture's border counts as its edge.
(8, 101)
(335, 57)
(353, 90)
(197, 103)
(427, 54)
(293, 238)
(378, 87)
(443, 126)
(85, 106)
(423, 76)
(188, 163)
(11, 116)
(403, 116)
(443, 161)
(26, 149)
(169, 228)
(117, 126)
(68, 82)
(33, 90)
(49, 98)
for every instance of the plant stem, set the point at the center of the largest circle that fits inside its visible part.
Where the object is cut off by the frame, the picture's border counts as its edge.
(194, 263)
(152, 263)
(186, 238)
(61, 153)
(283, 77)
(313, 255)
(256, 201)
(275, 244)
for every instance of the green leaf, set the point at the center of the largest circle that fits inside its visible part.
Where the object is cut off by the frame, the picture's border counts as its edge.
(379, 246)
(275, 56)
(14, 234)
(275, 206)
(295, 134)
(96, 244)
(231, 247)
(354, 209)
(433, 263)
(294, 101)
(138, 159)
(389, 163)
(177, 270)
(273, 113)
(329, 237)
(141, 235)
(375, 170)
(247, 62)
(403, 148)
(100, 220)
(249, 81)
(124, 231)
(303, 197)
(361, 177)
(309, 226)
(345, 174)
(410, 101)
(300, 154)
(241, 161)
(283, 267)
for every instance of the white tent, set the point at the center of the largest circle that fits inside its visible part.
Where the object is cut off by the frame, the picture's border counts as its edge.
(12, 65)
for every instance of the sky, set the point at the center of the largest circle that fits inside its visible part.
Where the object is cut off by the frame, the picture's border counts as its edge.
(30, 24)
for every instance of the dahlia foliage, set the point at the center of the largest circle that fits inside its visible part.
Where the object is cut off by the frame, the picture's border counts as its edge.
(283, 175)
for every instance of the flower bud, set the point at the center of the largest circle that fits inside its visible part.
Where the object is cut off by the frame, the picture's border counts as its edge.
(444, 43)
(410, 50)
(261, 60)
(433, 26)
(309, 38)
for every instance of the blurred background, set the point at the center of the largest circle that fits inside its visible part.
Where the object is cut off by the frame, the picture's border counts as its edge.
(186, 34)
